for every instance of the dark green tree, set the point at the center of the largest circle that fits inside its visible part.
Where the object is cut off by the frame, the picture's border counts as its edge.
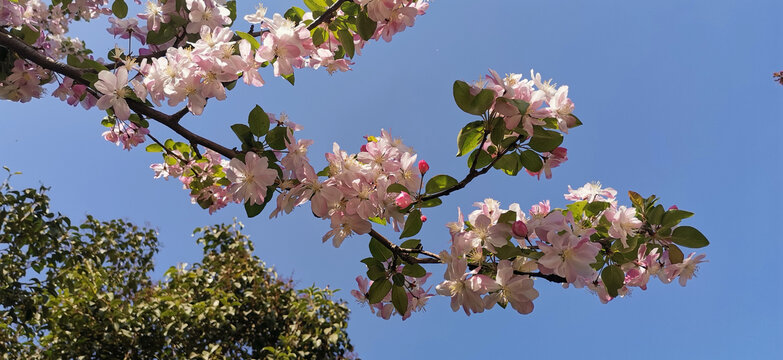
(86, 292)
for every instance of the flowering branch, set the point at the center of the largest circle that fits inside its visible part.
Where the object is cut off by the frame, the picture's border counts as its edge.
(405, 253)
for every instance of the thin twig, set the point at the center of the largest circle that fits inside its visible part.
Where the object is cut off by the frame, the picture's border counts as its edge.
(405, 253)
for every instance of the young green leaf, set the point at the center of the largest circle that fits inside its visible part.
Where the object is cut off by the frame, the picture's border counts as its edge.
(400, 299)
(545, 140)
(613, 278)
(475, 105)
(440, 183)
(119, 8)
(689, 237)
(469, 137)
(412, 224)
(378, 290)
(258, 121)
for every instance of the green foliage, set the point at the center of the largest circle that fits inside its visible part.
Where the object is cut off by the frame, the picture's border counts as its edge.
(439, 183)
(85, 291)
(472, 104)
(469, 137)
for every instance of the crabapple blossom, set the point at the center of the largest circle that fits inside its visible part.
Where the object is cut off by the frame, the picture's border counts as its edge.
(624, 222)
(191, 55)
(511, 289)
(251, 178)
(114, 88)
(568, 255)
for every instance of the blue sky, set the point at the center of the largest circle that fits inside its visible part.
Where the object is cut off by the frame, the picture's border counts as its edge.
(677, 100)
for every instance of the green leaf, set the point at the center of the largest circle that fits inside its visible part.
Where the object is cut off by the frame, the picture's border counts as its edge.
(509, 163)
(378, 251)
(475, 105)
(673, 217)
(346, 39)
(411, 244)
(508, 251)
(231, 5)
(294, 14)
(545, 140)
(119, 8)
(154, 148)
(531, 161)
(414, 270)
(675, 254)
(377, 220)
(397, 188)
(508, 217)
(440, 183)
(290, 77)
(655, 215)
(469, 137)
(316, 5)
(258, 121)
(637, 200)
(375, 269)
(30, 35)
(613, 278)
(319, 36)
(276, 138)
(244, 134)
(577, 208)
(412, 224)
(378, 290)
(398, 279)
(252, 40)
(483, 160)
(498, 132)
(326, 171)
(596, 207)
(689, 237)
(365, 26)
(253, 210)
(430, 203)
(400, 299)
(164, 34)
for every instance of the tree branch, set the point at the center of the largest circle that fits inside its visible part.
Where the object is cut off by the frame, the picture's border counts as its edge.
(171, 121)
(472, 174)
(405, 253)
(327, 15)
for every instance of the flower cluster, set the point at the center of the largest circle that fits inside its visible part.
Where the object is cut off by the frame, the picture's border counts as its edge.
(590, 242)
(356, 188)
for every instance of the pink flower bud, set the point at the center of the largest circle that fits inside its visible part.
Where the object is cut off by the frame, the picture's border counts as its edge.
(423, 218)
(674, 207)
(519, 229)
(423, 167)
(403, 200)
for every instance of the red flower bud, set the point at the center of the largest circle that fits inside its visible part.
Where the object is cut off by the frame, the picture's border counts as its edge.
(423, 167)
(674, 207)
(403, 200)
(423, 218)
(519, 229)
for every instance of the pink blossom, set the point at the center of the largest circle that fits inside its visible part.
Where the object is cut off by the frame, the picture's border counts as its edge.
(250, 179)
(591, 191)
(464, 288)
(568, 256)
(509, 288)
(624, 223)
(114, 89)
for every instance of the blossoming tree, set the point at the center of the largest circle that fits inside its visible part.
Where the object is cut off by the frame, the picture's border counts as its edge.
(182, 53)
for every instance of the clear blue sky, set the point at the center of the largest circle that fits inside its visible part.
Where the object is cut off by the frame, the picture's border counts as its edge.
(677, 100)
